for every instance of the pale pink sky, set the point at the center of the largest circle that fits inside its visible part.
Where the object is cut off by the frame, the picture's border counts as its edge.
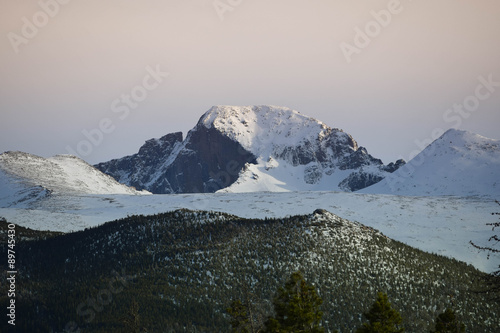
(396, 90)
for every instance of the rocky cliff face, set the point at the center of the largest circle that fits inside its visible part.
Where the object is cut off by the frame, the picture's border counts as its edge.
(208, 162)
(205, 162)
(248, 149)
(140, 169)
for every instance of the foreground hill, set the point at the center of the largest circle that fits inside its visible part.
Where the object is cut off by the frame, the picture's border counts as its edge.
(184, 268)
(251, 148)
(457, 163)
(25, 177)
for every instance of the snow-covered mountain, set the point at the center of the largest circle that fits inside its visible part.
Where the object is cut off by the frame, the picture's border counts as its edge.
(457, 163)
(251, 148)
(26, 177)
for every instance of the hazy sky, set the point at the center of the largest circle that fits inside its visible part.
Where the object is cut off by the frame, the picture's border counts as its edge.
(387, 72)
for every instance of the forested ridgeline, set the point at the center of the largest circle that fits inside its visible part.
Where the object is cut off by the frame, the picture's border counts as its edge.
(184, 268)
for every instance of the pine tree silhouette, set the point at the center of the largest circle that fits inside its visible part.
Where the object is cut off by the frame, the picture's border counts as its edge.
(296, 308)
(447, 322)
(382, 318)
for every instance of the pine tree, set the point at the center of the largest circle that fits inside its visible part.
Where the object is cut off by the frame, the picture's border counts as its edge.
(132, 319)
(491, 281)
(296, 308)
(382, 318)
(447, 322)
(239, 317)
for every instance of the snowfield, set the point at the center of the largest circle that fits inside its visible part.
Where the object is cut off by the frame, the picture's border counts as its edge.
(439, 224)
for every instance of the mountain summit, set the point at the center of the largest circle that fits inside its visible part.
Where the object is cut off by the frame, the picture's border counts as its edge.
(457, 163)
(251, 148)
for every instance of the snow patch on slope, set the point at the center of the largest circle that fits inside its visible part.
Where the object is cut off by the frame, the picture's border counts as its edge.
(283, 177)
(14, 191)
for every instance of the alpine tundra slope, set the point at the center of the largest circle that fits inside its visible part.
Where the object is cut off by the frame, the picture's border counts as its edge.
(26, 177)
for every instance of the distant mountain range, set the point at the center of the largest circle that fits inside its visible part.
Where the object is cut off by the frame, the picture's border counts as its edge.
(269, 148)
(254, 148)
(261, 148)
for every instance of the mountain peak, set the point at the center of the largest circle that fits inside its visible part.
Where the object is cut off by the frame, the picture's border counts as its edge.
(239, 117)
(244, 113)
(279, 124)
(253, 148)
(260, 127)
(457, 137)
(459, 162)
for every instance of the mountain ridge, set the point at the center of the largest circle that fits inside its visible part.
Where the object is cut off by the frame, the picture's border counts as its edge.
(232, 147)
(185, 267)
(26, 177)
(265, 148)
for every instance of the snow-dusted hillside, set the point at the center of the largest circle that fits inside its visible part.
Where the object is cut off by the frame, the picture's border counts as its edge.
(25, 178)
(457, 163)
